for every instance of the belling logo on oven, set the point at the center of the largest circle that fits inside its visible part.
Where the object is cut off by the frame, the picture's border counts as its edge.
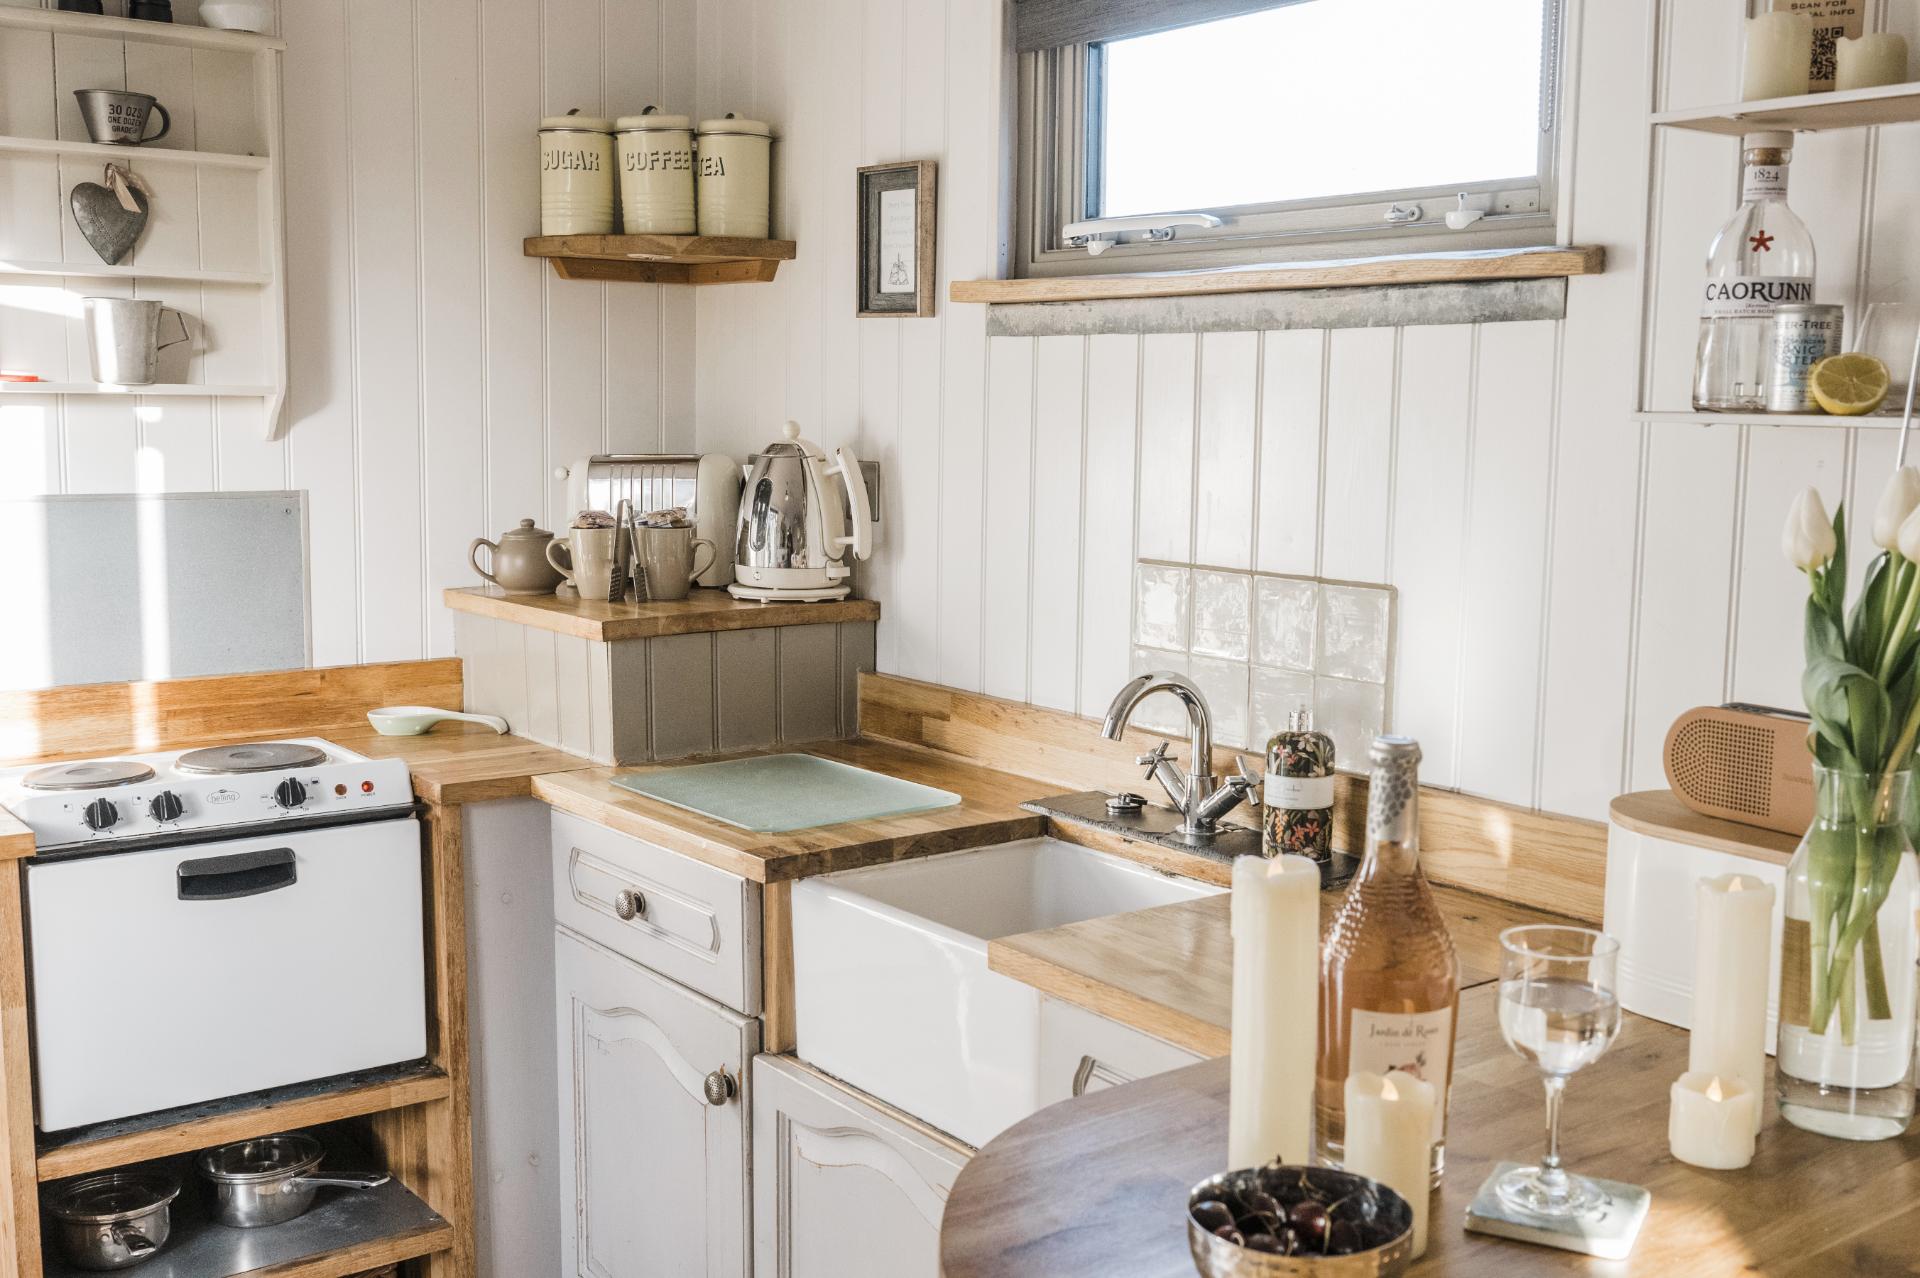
(224, 796)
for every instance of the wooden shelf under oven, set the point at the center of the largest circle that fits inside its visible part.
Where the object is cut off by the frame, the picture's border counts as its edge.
(662, 259)
(196, 1127)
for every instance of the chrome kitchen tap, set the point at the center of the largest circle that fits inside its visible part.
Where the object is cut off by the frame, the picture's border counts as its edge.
(1201, 797)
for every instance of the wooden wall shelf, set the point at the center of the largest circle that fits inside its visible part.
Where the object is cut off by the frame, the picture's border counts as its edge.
(1411, 268)
(1806, 113)
(662, 259)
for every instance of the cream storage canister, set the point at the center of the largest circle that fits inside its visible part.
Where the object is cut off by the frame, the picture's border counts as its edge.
(576, 175)
(735, 166)
(656, 173)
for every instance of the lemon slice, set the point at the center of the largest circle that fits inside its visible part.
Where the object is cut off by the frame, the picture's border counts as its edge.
(1848, 385)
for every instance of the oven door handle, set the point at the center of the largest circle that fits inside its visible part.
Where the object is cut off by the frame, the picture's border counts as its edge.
(228, 878)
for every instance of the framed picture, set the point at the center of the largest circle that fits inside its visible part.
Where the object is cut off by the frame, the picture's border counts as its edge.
(897, 264)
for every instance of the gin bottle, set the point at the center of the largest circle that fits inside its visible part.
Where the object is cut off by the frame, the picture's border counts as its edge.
(1389, 978)
(1762, 258)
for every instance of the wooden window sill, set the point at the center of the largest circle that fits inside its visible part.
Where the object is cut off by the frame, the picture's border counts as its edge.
(1412, 268)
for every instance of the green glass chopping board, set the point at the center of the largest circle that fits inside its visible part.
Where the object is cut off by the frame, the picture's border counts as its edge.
(776, 793)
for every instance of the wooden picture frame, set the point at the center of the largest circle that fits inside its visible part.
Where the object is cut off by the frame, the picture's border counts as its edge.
(890, 285)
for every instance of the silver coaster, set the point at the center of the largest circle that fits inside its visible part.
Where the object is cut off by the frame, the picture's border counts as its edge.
(1608, 1231)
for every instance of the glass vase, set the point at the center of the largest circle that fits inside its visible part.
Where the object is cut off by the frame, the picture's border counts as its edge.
(1847, 970)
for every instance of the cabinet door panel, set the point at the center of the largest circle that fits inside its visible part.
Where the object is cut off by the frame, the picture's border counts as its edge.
(1081, 1052)
(653, 1177)
(843, 1188)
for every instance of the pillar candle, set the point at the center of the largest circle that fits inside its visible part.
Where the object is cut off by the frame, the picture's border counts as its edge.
(1276, 991)
(1871, 60)
(1779, 56)
(1390, 1138)
(1712, 1122)
(1732, 948)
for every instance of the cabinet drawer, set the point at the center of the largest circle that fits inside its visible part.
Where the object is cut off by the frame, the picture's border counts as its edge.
(689, 921)
(1081, 1052)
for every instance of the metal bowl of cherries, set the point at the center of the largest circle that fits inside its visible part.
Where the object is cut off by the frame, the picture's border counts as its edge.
(1300, 1222)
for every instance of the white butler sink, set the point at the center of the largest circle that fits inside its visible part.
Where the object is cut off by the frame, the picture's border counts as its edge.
(891, 987)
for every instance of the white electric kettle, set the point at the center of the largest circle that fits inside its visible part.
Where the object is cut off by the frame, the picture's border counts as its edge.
(799, 531)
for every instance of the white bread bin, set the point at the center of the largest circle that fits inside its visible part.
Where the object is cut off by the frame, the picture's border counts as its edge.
(1657, 850)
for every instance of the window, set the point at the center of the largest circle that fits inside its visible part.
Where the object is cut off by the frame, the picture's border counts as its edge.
(1289, 128)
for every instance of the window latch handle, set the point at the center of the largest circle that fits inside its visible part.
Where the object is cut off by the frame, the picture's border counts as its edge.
(1097, 235)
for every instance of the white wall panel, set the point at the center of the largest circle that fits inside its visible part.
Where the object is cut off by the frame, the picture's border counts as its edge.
(1006, 555)
(1358, 469)
(1291, 427)
(1168, 369)
(1107, 552)
(1059, 491)
(1768, 618)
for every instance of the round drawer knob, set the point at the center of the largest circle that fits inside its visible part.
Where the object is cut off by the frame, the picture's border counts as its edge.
(720, 1087)
(629, 904)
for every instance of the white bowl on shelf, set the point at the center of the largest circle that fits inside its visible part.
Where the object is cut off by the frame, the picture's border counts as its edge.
(238, 15)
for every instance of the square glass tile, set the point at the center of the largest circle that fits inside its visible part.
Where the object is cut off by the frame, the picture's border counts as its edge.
(1161, 606)
(1286, 622)
(1161, 712)
(1224, 684)
(1277, 694)
(1353, 714)
(1354, 632)
(1220, 619)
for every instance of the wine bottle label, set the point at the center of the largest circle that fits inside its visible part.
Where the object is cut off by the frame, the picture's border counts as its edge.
(1752, 296)
(1420, 1043)
(1297, 792)
(1763, 182)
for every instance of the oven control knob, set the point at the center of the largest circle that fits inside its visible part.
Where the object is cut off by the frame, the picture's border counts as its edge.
(290, 793)
(101, 815)
(166, 806)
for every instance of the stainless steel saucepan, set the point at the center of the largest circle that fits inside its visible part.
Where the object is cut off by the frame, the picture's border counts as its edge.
(112, 1220)
(270, 1179)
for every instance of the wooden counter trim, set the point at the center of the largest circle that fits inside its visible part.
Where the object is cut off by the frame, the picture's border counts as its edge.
(1168, 971)
(202, 1133)
(988, 813)
(1406, 268)
(90, 720)
(1659, 814)
(16, 840)
(20, 1205)
(701, 612)
(1541, 859)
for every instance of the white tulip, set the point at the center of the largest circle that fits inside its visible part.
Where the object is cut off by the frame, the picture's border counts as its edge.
(1909, 540)
(1897, 500)
(1808, 538)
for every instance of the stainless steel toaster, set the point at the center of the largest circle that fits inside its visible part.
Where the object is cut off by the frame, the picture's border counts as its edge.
(708, 486)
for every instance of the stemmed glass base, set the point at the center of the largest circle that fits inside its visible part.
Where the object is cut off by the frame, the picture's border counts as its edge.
(1548, 1191)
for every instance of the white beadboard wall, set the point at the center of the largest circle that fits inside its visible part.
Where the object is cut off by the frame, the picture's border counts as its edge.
(437, 375)
(1569, 579)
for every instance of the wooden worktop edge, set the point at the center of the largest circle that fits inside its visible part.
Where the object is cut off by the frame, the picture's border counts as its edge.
(1169, 1024)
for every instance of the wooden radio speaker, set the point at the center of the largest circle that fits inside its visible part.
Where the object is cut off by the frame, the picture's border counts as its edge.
(1743, 763)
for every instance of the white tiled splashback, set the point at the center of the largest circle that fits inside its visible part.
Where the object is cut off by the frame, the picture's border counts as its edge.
(1262, 645)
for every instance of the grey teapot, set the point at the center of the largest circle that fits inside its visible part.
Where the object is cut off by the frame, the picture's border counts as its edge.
(519, 560)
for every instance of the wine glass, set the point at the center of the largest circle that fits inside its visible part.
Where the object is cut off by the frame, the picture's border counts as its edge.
(1560, 1010)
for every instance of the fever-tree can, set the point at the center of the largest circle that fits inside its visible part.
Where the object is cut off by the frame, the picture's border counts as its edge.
(1804, 333)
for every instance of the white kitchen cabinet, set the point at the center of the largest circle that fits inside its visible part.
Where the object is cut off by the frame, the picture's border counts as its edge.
(842, 1187)
(1081, 1052)
(653, 1126)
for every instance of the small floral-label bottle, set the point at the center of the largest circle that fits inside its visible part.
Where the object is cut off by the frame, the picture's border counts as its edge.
(1298, 794)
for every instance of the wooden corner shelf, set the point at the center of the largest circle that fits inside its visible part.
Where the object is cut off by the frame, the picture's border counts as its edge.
(662, 259)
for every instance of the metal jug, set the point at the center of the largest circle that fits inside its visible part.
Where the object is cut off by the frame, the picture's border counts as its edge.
(123, 336)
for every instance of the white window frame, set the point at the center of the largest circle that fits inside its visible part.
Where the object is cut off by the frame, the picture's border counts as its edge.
(1057, 181)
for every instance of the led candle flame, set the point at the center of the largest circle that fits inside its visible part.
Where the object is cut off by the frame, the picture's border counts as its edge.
(1713, 1090)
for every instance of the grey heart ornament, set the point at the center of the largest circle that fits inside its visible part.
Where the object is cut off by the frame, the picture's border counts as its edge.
(111, 228)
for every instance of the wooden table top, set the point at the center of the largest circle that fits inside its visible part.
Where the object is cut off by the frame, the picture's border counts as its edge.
(702, 611)
(989, 812)
(1096, 1188)
(1168, 971)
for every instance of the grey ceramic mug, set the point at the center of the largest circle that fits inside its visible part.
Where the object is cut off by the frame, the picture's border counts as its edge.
(666, 556)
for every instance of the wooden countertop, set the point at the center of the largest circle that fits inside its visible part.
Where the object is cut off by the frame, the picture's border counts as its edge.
(700, 612)
(465, 762)
(1659, 814)
(989, 812)
(1168, 971)
(1096, 1188)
